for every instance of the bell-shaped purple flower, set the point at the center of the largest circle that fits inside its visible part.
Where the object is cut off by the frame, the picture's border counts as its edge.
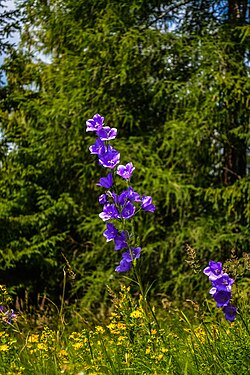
(214, 270)
(125, 171)
(110, 159)
(132, 195)
(97, 148)
(106, 182)
(124, 266)
(123, 198)
(128, 211)
(222, 297)
(223, 282)
(147, 204)
(111, 232)
(128, 195)
(109, 212)
(121, 241)
(230, 312)
(107, 133)
(94, 124)
(136, 252)
(126, 262)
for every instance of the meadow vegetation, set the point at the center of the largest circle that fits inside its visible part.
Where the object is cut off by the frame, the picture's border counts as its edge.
(173, 78)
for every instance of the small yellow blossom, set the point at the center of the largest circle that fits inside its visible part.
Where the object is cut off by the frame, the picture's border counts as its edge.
(164, 350)
(121, 326)
(99, 329)
(153, 332)
(33, 338)
(33, 351)
(4, 347)
(77, 345)
(63, 353)
(136, 314)
(42, 346)
(75, 336)
(114, 315)
(148, 350)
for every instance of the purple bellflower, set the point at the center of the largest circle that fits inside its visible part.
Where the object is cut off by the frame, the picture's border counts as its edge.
(7, 316)
(107, 133)
(222, 297)
(110, 159)
(230, 312)
(126, 262)
(125, 171)
(95, 124)
(223, 282)
(106, 182)
(121, 241)
(221, 289)
(147, 204)
(136, 252)
(111, 232)
(128, 211)
(124, 266)
(214, 270)
(109, 212)
(128, 195)
(98, 147)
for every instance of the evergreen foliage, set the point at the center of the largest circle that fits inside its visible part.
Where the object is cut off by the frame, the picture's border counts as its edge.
(173, 77)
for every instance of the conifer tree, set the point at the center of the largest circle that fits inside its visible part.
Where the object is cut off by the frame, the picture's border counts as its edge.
(173, 78)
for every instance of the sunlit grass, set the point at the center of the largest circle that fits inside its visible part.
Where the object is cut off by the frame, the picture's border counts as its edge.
(130, 341)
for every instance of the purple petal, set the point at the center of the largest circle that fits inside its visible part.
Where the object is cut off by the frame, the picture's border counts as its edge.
(106, 182)
(107, 133)
(110, 159)
(94, 124)
(125, 171)
(123, 266)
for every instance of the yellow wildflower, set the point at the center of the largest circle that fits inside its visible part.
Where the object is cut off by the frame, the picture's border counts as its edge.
(164, 350)
(153, 332)
(148, 350)
(4, 347)
(75, 336)
(121, 339)
(42, 346)
(33, 338)
(136, 314)
(77, 345)
(121, 326)
(63, 353)
(33, 351)
(99, 329)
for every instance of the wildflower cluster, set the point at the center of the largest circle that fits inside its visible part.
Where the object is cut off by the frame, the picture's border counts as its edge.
(118, 207)
(221, 289)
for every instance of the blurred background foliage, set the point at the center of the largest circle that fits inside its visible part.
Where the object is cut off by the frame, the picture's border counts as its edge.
(173, 77)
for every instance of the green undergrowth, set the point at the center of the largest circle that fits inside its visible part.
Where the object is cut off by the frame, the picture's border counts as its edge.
(136, 338)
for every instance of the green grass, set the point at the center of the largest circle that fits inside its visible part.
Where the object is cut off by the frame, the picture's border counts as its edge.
(133, 339)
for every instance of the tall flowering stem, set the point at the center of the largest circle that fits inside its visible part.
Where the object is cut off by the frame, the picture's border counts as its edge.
(221, 289)
(118, 208)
